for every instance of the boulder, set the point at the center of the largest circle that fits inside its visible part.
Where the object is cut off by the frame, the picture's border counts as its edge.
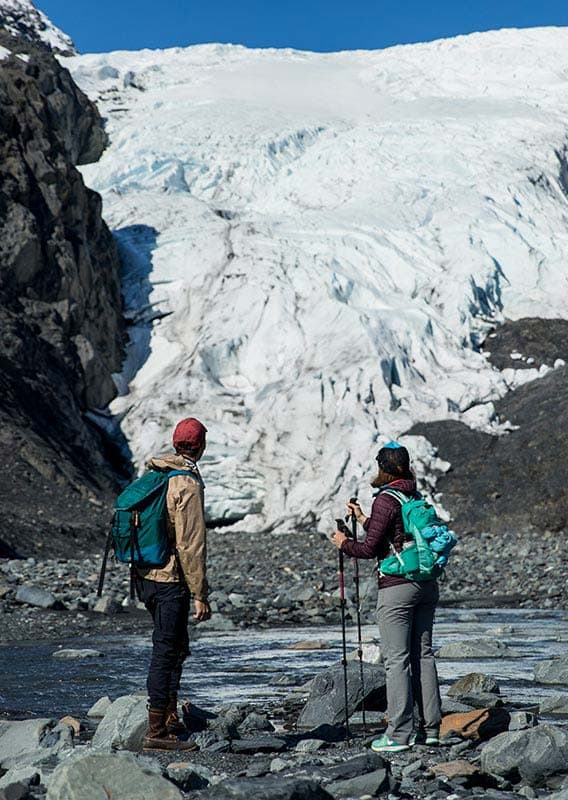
(529, 755)
(72, 653)
(473, 683)
(107, 605)
(309, 745)
(353, 767)
(15, 791)
(371, 654)
(269, 788)
(189, 776)
(477, 725)
(556, 704)
(20, 776)
(100, 708)
(521, 720)
(255, 722)
(481, 700)
(454, 769)
(326, 701)
(92, 776)
(123, 726)
(34, 596)
(32, 741)
(259, 744)
(477, 648)
(553, 671)
(371, 783)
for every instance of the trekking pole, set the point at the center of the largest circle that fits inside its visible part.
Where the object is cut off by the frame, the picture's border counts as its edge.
(358, 607)
(342, 527)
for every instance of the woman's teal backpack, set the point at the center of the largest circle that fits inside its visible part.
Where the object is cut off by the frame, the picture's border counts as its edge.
(138, 532)
(424, 558)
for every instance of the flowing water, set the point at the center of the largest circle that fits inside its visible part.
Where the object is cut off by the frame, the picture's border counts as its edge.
(245, 665)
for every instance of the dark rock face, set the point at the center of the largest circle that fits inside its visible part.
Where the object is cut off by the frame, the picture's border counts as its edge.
(513, 482)
(20, 18)
(538, 341)
(60, 307)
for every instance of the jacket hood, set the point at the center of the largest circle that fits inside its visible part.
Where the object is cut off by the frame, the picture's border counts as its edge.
(167, 461)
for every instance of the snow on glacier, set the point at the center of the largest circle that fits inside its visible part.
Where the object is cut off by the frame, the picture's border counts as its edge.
(315, 244)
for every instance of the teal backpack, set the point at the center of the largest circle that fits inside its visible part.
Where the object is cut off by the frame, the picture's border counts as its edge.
(138, 531)
(425, 557)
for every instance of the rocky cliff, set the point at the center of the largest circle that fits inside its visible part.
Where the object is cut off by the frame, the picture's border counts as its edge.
(60, 308)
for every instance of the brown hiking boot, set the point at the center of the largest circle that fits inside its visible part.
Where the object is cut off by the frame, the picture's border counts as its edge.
(172, 721)
(157, 736)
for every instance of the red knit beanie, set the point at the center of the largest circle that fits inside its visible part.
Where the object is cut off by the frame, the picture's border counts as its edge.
(189, 434)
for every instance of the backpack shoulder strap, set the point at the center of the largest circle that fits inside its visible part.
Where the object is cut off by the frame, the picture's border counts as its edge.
(400, 496)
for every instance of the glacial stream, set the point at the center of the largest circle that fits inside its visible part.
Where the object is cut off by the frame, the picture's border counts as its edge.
(246, 665)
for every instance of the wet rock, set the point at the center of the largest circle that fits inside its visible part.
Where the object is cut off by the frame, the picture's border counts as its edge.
(371, 783)
(32, 741)
(255, 722)
(269, 788)
(100, 708)
(521, 720)
(476, 648)
(309, 745)
(473, 683)
(326, 701)
(553, 671)
(189, 776)
(109, 775)
(107, 605)
(72, 653)
(529, 755)
(557, 704)
(481, 724)
(369, 762)
(124, 725)
(259, 744)
(454, 769)
(33, 596)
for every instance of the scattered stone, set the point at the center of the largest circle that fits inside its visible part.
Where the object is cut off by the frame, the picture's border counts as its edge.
(309, 745)
(413, 768)
(326, 701)
(255, 722)
(477, 648)
(189, 776)
(100, 708)
(481, 724)
(473, 683)
(530, 755)
(258, 767)
(454, 769)
(520, 720)
(554, 671)
(279, 765)
(94, 776)
(557, 704)
(32, 741)
(107, 605)
(72, 653)
(371, 783)
(123, 726)
(369, 762)
(33, 596)
(260, 744)
(270, 788)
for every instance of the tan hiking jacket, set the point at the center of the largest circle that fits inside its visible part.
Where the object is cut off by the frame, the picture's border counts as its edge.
(186, 529)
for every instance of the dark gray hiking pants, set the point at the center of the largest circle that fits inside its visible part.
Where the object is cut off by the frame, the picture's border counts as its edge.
(406, 617)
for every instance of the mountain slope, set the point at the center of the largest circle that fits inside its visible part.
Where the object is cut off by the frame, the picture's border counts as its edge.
(22, 19)
(316, 245)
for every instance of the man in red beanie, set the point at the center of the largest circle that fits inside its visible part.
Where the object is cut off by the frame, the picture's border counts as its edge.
(166, 591)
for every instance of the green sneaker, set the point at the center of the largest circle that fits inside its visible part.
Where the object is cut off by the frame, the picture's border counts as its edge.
(386, 745)
(420, 737)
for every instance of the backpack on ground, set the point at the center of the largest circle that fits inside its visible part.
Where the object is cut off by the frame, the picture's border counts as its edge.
(138, 531)
(425, 557)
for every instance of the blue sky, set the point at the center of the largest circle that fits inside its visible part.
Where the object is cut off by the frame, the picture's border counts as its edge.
(303, 24)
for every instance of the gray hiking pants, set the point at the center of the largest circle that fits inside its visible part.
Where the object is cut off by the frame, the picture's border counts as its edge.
(406, 617)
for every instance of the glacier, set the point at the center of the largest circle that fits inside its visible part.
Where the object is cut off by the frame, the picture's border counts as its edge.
(315, 245)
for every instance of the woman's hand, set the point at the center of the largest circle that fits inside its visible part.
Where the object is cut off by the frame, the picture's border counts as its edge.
(338, 538)
(355, 509)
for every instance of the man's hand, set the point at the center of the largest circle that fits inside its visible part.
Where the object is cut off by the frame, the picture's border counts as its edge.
(202, 610)
(338, 538)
